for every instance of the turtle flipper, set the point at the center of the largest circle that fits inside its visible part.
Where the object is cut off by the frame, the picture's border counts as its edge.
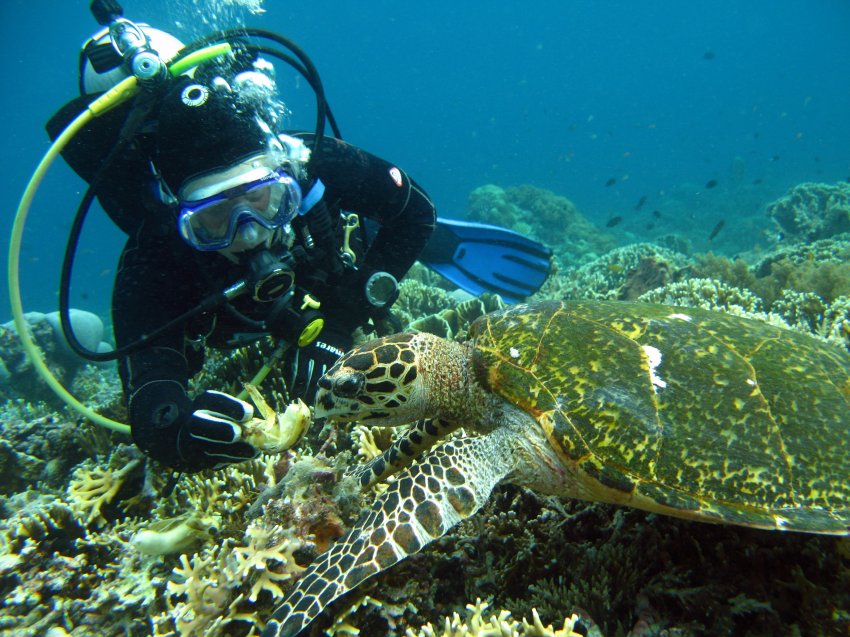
(419, 437)
(449, 484)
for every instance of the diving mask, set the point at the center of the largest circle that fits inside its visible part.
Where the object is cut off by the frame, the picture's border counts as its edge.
(270, 198)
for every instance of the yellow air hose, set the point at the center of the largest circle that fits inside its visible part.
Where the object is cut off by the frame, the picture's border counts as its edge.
(118, 94)
(121, 92)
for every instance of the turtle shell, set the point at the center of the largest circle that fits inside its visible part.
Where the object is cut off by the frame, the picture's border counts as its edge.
(683, 411)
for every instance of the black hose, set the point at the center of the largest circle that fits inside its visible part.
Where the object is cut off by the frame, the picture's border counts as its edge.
(131, 126)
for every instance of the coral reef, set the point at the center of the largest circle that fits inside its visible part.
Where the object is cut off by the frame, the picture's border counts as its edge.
(500, 623)
(453, 322)
(623, 273)
(543, 215)
(813, 211)
(97, 540)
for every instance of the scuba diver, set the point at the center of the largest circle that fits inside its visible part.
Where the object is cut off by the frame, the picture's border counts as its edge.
(218, 201)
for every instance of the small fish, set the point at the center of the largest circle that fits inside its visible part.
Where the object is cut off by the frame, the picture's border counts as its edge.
(757, 181)
(650, 226)
(611, 181)
(717, 229)
(613, 221)
(709, 55)
(774, 158)
(615, 268)
(640, 202)
(711, 183)
(656, 214)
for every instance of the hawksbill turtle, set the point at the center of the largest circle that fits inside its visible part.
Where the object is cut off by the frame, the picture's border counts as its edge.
(684, 412)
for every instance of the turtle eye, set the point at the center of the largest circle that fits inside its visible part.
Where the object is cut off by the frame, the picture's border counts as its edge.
(349, 386)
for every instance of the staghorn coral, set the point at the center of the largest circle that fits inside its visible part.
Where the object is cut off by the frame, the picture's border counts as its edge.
(809, 313)
(208, 592)
(93, 487)
(499, 624)
(267, 559)
(204, 593)
(813, 211)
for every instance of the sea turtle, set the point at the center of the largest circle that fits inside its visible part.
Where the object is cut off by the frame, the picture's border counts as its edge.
(684, 412)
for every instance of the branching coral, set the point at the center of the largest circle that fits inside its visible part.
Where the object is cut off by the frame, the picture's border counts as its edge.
(267, 559)
(92, 487)
(500, 624)
(206, 601)
(206, 596)
(708, 294)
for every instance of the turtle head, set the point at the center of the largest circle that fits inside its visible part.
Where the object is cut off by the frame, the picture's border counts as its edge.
(386, 381)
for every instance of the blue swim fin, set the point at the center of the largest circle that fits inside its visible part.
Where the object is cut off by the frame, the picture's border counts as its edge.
(478, 257)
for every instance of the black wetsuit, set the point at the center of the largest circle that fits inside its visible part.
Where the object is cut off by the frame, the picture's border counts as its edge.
(160, 276)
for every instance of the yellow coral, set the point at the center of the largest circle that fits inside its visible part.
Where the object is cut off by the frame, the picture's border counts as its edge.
(371, 441)
(208, 601)
(498, 625)
(91, 488)
(204, 596)
(267, 548)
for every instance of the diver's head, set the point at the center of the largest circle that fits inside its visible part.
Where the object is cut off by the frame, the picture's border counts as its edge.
(231, 176)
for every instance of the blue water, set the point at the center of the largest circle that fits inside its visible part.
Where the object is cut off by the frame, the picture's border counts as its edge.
(661, 96)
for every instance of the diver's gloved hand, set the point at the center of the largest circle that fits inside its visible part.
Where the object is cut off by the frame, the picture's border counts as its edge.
(189, 435)
(303, 367)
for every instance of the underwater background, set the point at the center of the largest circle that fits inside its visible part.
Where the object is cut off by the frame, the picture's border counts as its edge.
(662, 97)
(687, 153)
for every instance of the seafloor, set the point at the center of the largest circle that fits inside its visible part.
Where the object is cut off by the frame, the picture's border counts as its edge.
(92, 542)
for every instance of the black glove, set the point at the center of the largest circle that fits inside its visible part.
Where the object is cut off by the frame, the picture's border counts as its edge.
(303, 367)
(189, 435)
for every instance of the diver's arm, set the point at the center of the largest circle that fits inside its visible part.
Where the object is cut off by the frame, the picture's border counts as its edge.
(374, 188)
(154, 378)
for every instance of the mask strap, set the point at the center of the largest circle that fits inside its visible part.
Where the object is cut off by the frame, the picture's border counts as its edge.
(162, 191)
